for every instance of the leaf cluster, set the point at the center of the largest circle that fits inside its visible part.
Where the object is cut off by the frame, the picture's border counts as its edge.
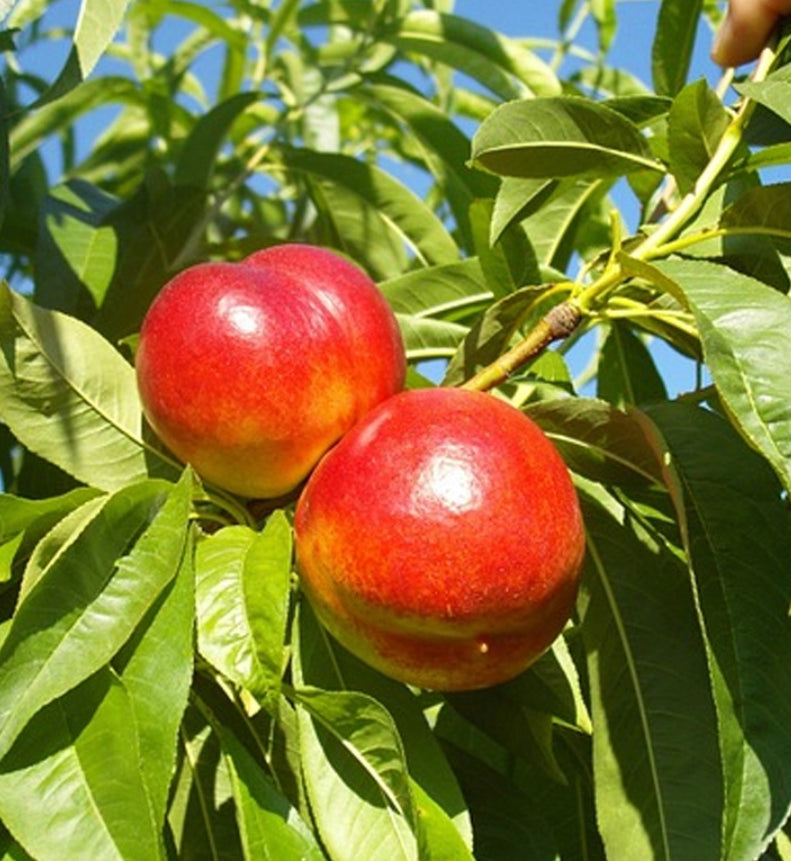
(165, 691)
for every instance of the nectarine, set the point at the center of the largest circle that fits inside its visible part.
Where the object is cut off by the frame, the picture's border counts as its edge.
(441, 539)
(250, 371)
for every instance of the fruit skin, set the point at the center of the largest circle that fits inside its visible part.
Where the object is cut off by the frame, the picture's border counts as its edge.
(250, 371)
(441, 540)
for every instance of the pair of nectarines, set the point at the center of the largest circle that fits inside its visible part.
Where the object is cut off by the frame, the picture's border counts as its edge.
(438, 534)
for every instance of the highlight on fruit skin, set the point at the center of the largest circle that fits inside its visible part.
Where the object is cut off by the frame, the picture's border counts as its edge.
(441, 540)
(250, 371)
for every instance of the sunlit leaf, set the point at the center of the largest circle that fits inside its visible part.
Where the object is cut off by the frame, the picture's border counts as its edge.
(674, 41)
(97, 24)
(742, 325)
(90, 598)
(560, 137)
(69, 396)
(242, 599)
(355, 774)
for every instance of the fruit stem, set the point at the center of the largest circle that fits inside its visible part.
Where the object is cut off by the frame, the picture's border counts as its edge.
(557, 324)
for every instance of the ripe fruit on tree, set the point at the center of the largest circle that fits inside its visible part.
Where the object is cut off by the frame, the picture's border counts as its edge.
(250, 371)
(441, 540)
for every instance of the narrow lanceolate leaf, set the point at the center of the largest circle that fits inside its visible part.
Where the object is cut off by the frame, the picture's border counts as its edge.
(24, 521)
(201, 815)
(97, 24)
(363, 191)
(353, 767)
(659, 792)
(242, 599)
(77, 761)
(738, 540)
(70, 397)
(743, 325)
(442, 815)
(763, 209)
(270, 828)
(501, 64)
(674, 40)
(89, 599)
(560, 137)
(104, 753)
(447, 292)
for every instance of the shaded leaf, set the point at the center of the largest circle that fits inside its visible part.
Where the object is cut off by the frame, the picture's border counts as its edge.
(762, 209)
(772, 92)
(446, 291)
(738, 536)
(378, 203)
(627, 374)
(658, 783)
(90, 598)
(598, 440)
(70, 397)
(269, 827)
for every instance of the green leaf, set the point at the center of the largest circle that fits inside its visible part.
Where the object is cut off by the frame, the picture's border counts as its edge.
(76, 249)
(242, 599)
(743, 325)
(772, 92)
(269, 826)
(23, 522)
(354, 770)
(627, 375)
(737, 535)
(501, 64)
(70, 397)
(427, 338)
(650, 694)
(359, 196)
(491, 334)
(674, 41)
(517, 198)
(447, 291)
(598, 440)
(30, 132)
(89, 599)
(696, 122)
(556, 137)
(325, 664)
(443, 146)
(97, 24)
(201, 149)
(764, 209)
(5, 157)
(77, 761)
(202, 817)
(508, 263)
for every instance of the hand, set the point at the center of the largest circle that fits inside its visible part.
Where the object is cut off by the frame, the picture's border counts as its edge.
(746, 29)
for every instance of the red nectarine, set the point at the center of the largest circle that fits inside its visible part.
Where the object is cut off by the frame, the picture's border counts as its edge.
(250, 371)
(441, 540)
